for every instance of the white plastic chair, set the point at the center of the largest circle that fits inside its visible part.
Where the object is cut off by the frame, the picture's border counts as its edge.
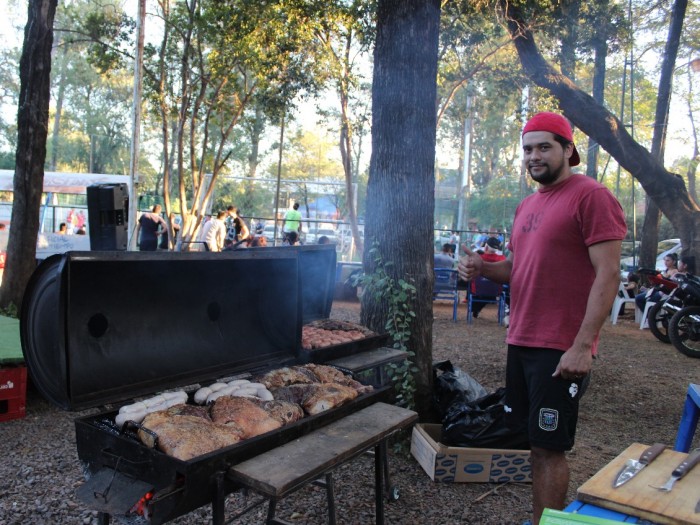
(644, 322)
(620, 299)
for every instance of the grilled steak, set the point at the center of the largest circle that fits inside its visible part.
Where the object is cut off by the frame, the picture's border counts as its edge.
(282, 411)
(316, 398)
(245, 414)
(287, 376)
(185, 436)
(329, 374)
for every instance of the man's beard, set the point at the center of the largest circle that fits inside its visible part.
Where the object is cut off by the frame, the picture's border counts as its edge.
(548, 176)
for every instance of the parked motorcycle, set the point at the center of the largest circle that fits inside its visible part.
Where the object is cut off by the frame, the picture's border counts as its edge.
(684, 326)
(660, 314)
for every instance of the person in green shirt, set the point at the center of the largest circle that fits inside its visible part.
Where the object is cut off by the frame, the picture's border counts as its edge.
(292, 221)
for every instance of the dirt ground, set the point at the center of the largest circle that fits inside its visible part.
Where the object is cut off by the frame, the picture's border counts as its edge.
(637, 391)
(636, 395)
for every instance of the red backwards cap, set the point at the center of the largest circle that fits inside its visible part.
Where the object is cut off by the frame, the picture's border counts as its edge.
(554, 123)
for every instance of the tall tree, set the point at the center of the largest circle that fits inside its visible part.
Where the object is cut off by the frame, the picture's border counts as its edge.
(32, 123)
(400, 202)
(604, 26)
(345, 35)
(650, 228)
(232, 55)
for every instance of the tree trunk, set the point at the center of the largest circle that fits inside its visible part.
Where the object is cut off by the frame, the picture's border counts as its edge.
(695, 159)
(569, 38)
(652, 217)
(665, 188)
(59, 110)
(400, 192)
(601, 54)
(32, 132)
(256, 131)
(346, 145)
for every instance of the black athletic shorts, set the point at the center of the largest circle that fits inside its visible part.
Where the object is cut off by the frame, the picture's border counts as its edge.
(544, 407)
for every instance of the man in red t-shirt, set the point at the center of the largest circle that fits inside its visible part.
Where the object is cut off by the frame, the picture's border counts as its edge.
(572, 225)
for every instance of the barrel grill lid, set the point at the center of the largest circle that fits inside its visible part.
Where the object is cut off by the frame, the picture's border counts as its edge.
(103, 327)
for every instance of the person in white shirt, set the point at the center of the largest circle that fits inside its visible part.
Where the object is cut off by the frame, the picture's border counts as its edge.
(214, 232)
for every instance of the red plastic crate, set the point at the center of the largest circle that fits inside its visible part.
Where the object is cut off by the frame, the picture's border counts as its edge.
(13, 392)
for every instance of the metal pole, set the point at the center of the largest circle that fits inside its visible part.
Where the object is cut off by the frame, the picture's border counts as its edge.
(279, 178)
(634, 197)
(136, 126)
(464, 190)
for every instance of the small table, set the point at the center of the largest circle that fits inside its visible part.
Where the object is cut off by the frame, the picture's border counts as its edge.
(285, 469)
(684, 438)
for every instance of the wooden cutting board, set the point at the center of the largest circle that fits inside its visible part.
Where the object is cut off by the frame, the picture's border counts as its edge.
(637, 498)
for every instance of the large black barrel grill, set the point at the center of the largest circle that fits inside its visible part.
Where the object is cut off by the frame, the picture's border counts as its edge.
(102, 329)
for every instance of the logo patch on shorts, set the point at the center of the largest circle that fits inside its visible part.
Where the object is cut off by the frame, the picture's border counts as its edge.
(549, 419)
(573, 389)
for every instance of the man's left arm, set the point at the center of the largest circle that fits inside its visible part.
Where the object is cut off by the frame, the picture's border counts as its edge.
(605, 257)
(245, 232)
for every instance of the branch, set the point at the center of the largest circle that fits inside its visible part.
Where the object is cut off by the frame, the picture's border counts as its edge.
(466, 79)
(665, 188)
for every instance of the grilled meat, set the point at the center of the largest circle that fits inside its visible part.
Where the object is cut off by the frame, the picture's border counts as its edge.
(183, 435)
(338, 325)
(245, 414)
(329, 374)
(186, 431)
(316, 398)
(282, 411)
(189, 410)
(287, 376)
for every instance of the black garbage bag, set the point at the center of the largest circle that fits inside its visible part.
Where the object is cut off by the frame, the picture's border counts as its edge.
(453, 386)
(481, 424)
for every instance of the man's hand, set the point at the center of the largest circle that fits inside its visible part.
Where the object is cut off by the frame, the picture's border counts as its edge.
(470, 265)
(575, 363)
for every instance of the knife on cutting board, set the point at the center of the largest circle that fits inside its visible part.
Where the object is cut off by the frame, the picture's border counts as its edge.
(681, 470)
(633, 467)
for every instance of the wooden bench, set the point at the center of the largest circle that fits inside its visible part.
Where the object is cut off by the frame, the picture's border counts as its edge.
(281, 471)
(370, 365)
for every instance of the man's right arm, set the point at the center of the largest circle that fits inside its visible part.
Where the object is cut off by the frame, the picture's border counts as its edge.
(472, 265)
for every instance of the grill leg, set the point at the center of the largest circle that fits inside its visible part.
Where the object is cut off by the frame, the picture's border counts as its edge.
(379, 466)
(330, 495)
(102, 518)
(218, 502)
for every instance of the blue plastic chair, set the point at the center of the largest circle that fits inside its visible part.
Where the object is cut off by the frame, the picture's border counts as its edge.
(445, 288)
(689, 419)
(488, 292)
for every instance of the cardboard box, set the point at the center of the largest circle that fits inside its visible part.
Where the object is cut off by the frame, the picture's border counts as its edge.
(467, 465)
(13, 392)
